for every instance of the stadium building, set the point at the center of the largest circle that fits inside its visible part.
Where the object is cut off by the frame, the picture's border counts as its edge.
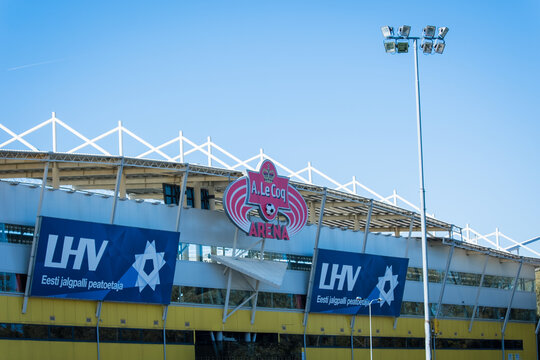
(98, 261)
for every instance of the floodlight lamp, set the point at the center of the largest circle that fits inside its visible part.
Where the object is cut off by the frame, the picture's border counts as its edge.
(442, 32)
(404, 31)
(429, 31)
(387, 31)
(402, 47)
(427, 46)
(439, 46)
(390, 46)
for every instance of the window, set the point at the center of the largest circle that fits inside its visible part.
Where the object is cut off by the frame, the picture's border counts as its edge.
(171, 194)
(205, 199)
(190, 197)
(61, 332)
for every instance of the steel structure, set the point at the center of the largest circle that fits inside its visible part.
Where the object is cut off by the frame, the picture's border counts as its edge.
(348, 204)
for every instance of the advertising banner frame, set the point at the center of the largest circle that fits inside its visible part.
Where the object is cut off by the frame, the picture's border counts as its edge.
(345, 283)
(85, 260)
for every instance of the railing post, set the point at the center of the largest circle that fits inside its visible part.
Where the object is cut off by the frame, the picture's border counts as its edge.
(120, 140)
(54, 131)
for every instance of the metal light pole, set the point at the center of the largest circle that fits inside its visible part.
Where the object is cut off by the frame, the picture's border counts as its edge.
(401, 44)
(370, 336)
(427, 328)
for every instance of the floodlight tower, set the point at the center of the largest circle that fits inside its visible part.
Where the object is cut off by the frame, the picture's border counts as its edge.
(400, 43)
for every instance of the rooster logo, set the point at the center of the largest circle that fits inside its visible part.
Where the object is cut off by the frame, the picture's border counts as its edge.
(270, 194)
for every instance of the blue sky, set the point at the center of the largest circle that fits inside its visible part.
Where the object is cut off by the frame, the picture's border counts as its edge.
(306, 81)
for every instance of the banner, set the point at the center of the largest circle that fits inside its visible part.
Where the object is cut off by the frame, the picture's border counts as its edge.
(92, 261)
(345, 283)
(270, 195)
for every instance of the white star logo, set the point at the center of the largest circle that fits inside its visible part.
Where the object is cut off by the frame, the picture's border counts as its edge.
(151, 279)
(387, 296)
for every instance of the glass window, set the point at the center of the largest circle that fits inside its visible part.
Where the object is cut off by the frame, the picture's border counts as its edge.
(11, 330)
(361, 342)
(152, 336)
(175, 293)
(435, 276)
(414, 274)
(264, 299)
(129, 335)
(35, 331)
(216, 296)
(171, 194)
(283, 301)
(191, 294)
(108, 334)
(415, 343)
(343, 341)
(205, 199)
(61, 332)
(190, 197)
(179, 337)
(82, 333)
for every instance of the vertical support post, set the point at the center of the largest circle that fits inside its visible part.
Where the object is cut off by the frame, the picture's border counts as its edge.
(209, 149)
(507, 316)
(116, 189)
(181, 144)
(261, 154)
(98, 317)
(30, 271)
(313, 265)
(443, 285)
(356, 223)
(353, 321)
(497, 239)
(310, 173)
(55, 176)
(368, 221)
(254, 307)
(354, 184)
(165, 312)
(54, 131)
(411, 224)
(228, 293)
(120, 139)
(478, 292)
(427, 329)
(181, 198)
(394, 196)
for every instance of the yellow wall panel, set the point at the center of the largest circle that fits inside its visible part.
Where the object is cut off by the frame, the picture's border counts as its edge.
(47, 350)
(71, 312)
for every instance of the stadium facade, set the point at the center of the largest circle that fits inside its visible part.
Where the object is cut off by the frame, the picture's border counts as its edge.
(237, 293)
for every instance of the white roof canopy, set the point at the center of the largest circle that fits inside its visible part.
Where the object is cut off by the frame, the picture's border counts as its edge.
(269, 272)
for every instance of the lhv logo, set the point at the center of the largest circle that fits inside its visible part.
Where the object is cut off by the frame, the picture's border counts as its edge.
(347, 274)
(86, 246)
(270, 194)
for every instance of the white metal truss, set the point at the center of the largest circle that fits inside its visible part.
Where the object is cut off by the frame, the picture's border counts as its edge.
(188, 151)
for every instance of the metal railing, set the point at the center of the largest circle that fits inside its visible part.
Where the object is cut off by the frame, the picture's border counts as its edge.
(186, 150)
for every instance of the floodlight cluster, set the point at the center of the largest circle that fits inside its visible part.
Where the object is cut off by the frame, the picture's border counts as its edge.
(432, 39)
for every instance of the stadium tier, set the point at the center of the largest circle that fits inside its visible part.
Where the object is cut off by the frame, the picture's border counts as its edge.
(108, 257)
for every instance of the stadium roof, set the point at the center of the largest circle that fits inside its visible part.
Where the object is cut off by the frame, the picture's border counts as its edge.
(143, 179)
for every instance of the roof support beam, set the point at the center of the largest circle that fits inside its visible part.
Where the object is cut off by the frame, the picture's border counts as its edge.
(366, 231)
(507, 316)
(478, 292)
(34, 239)
(443, 285)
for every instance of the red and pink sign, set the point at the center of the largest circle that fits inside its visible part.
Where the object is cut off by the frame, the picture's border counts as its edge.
(271, 195)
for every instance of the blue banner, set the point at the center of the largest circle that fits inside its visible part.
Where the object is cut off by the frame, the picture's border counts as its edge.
(345, 283)
(91, 261)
